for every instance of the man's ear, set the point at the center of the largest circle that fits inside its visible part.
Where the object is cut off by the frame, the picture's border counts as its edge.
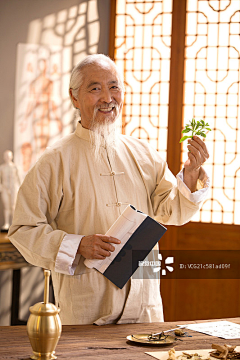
(74, 100)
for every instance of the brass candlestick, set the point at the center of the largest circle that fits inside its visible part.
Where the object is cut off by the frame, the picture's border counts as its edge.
(44, 326)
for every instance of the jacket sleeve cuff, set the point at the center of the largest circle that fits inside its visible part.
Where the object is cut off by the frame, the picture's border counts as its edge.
(67, 258)
(203, 185)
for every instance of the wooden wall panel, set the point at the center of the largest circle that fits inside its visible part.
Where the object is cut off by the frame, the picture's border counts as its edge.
(192, 299)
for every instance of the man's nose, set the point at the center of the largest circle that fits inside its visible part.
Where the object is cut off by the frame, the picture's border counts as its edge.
(106, 95)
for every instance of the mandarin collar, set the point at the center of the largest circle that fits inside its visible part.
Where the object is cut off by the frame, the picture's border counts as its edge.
(82, 132)
(85, 134)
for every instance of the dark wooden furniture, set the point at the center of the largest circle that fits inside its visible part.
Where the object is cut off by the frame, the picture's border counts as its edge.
(107, 342)
(10, 258)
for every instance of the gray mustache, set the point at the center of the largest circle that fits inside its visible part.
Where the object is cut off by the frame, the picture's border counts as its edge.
(107, 106)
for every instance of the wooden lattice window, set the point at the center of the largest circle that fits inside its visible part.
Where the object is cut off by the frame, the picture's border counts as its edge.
(142, 49)
(180, 59)
(212, 92)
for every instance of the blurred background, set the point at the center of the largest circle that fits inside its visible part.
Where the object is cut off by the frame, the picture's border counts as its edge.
(180, 60)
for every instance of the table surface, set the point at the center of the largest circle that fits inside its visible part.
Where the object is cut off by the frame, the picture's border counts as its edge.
(106, 342)
(10, 257)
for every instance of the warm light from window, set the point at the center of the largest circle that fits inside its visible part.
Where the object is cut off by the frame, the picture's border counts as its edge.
(143, 40)
(212, 92)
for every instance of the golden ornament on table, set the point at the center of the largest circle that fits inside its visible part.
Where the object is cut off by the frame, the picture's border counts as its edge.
(44, 326)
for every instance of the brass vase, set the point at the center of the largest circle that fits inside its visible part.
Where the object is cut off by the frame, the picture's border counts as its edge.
(44, 326)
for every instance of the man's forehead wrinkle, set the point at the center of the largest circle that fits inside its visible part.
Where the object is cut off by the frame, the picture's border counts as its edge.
(96, 74)
(92, 83)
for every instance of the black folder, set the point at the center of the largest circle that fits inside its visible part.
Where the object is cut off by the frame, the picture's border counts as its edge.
(137, 247)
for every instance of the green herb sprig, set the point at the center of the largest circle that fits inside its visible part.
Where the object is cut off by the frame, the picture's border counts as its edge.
(196, 127)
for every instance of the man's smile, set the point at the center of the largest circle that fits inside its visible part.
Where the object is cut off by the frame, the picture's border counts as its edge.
(106, 109)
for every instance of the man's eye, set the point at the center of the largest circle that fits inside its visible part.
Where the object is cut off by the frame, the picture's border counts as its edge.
(115, 87)
(96, 89)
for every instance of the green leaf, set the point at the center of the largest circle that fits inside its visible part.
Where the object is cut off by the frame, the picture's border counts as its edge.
(184, 138)
(186, 130)
(196, 127)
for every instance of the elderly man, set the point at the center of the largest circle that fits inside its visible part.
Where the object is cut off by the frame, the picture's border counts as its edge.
(80, 186)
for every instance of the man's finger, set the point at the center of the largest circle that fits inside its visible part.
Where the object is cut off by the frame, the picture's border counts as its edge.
(202, 144)
(196, 145)
(104, 253)
(109, 239)
(99, 257)
(193, 151)
(107, 246)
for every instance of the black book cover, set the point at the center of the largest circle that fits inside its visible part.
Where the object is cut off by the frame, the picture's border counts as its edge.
(135, 250)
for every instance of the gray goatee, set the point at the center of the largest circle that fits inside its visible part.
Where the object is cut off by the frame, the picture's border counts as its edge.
(104, 134)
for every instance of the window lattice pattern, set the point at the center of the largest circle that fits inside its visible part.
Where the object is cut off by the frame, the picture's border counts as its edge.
(212, 92)
(142, 51)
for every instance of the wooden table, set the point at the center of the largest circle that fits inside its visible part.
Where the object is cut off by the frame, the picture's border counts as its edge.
(10, 258)
(106, 342)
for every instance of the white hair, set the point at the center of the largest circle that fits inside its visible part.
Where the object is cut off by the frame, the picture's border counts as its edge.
(76, 79)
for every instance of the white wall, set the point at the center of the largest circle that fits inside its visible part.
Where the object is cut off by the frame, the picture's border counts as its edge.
(17, 18)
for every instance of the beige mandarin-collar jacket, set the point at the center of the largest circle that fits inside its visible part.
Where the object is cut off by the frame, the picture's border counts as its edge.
(67, 192)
